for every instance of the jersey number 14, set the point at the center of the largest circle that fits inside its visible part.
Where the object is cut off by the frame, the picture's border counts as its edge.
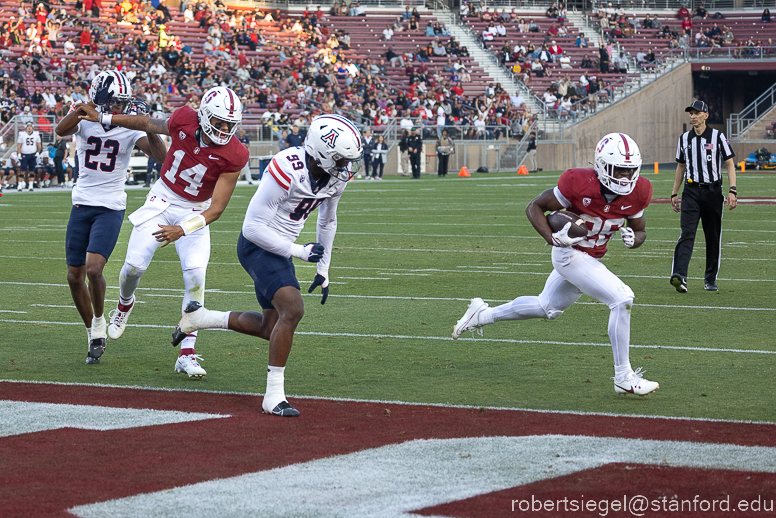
(192, 175)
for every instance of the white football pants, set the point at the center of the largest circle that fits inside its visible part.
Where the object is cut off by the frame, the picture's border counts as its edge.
(193, 251)
(576, 273)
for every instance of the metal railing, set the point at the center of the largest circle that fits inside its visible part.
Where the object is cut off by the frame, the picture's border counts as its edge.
(747, 53)
(44, 124)
(738, 124)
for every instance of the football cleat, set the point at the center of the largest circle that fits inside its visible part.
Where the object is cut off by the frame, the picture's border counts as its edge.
(679, 283)
(118, 319)
(283, 409)
(470, 321)
(21, 185)
(189, 321)
(635, 384)
(96, 348)
(31, 187)
(189, 364)
(711, 286)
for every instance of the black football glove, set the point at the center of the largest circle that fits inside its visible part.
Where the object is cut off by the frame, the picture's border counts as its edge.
(140, 107)
(323, 282)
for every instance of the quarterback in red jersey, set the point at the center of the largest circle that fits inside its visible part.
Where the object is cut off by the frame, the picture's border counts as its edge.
(605, 198)
(198, 178)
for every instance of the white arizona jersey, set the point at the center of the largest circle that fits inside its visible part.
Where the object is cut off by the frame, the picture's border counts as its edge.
(289, 170)
(12, 160)
(103, 159)
(29, 142)
(286, 196)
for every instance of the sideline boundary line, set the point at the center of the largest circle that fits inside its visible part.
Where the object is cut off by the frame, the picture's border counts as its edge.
(393, 402)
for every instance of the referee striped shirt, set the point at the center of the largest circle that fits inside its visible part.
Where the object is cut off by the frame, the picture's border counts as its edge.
(703, 155)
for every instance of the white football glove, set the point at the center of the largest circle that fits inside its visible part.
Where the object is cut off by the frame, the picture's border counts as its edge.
(311, 252)
(628, 236)
(562, 239)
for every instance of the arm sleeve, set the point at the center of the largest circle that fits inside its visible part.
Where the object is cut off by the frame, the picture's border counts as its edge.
(261, 211)
(326, 230)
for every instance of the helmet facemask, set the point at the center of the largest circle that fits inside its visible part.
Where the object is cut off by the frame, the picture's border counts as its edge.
(619, 180)
(215, 131)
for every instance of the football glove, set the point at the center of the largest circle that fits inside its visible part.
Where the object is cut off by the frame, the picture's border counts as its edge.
(562, 239)
(311, 252)
(103, 96)
(140, 107)
(323, 282)
(628, 236)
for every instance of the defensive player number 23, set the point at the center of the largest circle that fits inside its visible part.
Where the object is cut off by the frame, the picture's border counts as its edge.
(192, 175)
(602, 230)
(90, 161)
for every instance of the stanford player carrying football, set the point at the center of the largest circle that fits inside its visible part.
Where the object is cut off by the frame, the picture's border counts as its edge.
(296, 182)
(197, 180)
(605, 198)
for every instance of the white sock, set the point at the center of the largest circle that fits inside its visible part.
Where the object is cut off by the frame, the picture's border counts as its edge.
(522, 308)
(189, 341)
(619, 334)
(98, 328)
(215, 319)
(276, 391)
(89, 335)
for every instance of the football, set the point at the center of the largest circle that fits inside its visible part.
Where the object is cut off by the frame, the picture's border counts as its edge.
(558, 219)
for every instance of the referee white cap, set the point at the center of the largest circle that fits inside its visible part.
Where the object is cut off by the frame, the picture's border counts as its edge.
(698, 105)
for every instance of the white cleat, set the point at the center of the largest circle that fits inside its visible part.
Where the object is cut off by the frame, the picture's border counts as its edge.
(190, 365)
(470, 321)
(118, 319)
(635, 384)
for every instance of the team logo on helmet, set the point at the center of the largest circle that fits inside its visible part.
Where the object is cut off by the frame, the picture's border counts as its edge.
(331, 138)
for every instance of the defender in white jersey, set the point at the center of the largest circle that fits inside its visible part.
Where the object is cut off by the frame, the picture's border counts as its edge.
(28, 145)
(99, 199)
(296, 182)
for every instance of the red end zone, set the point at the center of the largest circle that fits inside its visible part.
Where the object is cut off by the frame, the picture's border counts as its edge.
(46, 473)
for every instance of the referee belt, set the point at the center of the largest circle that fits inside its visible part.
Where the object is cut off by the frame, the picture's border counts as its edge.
(700, 185)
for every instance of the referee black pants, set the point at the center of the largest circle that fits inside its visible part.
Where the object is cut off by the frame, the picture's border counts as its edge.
(704, 204)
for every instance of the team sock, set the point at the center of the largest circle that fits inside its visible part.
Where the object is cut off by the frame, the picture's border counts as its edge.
(275, 388)
(98, 328)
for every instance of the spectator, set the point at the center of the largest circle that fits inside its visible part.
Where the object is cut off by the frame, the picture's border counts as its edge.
(552, 11)
(621, 64)
(687, 26)
(463, 11)
(581, 41)
(429, 30)
(283, 140)
(700, 12)
(683, 12)
(766, 17)
(603, 59)
(388, 33)
(565, 61)
(295, 139)
(555, 49)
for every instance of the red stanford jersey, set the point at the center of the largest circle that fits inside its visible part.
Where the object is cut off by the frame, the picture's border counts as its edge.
(581, 193)
(191, 171)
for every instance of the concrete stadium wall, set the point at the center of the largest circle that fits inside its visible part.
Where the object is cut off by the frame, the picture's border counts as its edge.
(653, 116)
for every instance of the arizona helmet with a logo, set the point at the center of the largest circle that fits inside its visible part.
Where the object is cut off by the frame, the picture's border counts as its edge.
(224, 105)
(335, 144)
(613, 154)
(111, 92)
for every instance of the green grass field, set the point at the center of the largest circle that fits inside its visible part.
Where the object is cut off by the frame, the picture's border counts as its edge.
(408, 257)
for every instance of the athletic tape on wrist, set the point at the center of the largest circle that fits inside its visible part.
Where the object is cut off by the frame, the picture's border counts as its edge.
(106, 118)
(193, 224)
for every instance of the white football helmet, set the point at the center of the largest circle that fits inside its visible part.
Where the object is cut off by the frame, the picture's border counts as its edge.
(111, 92)
(335, 144)
(613, 154)
(223, 104)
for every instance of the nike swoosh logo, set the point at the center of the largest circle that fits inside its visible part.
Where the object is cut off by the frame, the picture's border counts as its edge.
(211, 157)
(623, 388)
(624, 207)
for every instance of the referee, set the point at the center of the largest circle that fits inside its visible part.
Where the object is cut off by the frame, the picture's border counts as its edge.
(701, 154)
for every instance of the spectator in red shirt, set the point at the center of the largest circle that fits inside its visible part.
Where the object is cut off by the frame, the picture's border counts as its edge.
(683, 13)
(86, 38)
(687, 26)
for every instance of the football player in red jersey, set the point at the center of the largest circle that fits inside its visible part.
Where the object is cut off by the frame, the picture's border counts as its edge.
(605, 198)
(197, 180)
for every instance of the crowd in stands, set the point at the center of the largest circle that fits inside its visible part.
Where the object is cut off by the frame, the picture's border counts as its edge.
(286, 68)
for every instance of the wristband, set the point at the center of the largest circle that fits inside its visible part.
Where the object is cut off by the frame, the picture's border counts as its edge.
(193, 224)
(733, 191)
(674, 196)
(106, 118)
